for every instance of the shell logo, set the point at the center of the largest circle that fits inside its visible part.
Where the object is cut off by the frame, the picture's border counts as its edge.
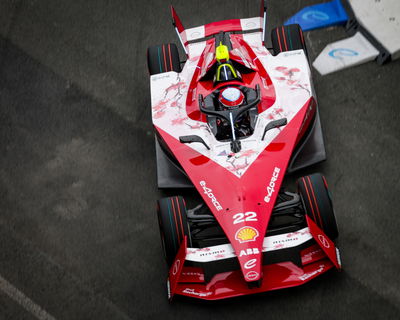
(246, 234)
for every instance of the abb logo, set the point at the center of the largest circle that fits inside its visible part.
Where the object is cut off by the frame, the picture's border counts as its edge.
(248, 252)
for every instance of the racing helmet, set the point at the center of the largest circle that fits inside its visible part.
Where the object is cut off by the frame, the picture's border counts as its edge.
(231, 97)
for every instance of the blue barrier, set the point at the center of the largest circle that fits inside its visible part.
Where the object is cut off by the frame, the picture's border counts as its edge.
(320, 16)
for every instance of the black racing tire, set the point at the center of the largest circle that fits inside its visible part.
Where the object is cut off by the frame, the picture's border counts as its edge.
(172, 220)
(317, 203)
(163, 58)
(288, 38)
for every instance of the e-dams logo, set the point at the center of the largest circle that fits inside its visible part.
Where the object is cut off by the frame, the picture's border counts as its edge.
(342, 53)
(210, 194)
(314, 15)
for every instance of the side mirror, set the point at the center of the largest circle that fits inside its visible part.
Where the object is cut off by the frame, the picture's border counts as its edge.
(193, 138)
(274, 124)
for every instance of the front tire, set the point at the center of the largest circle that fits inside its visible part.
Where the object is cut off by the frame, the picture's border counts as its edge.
(317, 203)
(173, 225)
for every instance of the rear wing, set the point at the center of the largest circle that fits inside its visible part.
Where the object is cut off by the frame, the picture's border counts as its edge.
(202, 33)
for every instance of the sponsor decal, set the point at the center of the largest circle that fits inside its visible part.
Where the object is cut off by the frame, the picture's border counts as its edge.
(250, 264)
(246, 234)
(271, 243)
(248, 252)
(195, 34)
(176, 267)
(189, 273)
(271, 186)
(284, 240)
(342, 53)
(315, 15)
(324, 241)
(251, 275)
(212, 253)
(251, 24)
(242, 217)
(308, 275)
(293, 53)
(210, 194)
(195, 293)
(164, 76)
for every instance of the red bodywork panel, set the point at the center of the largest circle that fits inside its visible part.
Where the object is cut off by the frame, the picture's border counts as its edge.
(315, 259)
(234, 200)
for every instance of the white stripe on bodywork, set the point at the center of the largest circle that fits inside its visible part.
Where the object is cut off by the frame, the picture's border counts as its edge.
(271, 243)
(251, 23)
(195, 33)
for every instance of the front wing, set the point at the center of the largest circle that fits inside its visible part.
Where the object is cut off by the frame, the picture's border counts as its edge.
(317, 253)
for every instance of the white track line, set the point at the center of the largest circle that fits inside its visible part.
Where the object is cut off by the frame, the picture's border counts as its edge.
(23, 300)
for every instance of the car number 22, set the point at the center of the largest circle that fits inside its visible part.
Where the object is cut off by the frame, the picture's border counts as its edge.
(242, 217)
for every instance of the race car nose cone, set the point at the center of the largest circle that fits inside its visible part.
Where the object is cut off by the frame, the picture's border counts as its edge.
(231, 97)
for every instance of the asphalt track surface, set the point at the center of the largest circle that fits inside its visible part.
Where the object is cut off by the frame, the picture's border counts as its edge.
(78, 230)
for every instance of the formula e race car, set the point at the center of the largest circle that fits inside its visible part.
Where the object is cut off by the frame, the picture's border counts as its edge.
(231, 123)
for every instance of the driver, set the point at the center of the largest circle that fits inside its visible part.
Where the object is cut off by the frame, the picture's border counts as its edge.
(225, 70)
(231, 98)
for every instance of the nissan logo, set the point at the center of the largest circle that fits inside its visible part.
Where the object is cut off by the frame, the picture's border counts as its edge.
(324, 241)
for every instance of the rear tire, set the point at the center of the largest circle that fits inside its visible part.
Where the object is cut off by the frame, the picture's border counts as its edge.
(317, 203)
(288, 38)
(173, 225)
(163, 58)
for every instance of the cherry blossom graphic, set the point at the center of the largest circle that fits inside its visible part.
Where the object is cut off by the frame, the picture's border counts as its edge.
(193, 59)
(175, 104)
(237, 168)
(159, 114)
(160, 105)
(246, 153)
(276, 113)
(196, 126)
(178, 121)
(292, 234)
(279, 246)
(260, 51)
(218, 256)
(288, 75)
(176, 87)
